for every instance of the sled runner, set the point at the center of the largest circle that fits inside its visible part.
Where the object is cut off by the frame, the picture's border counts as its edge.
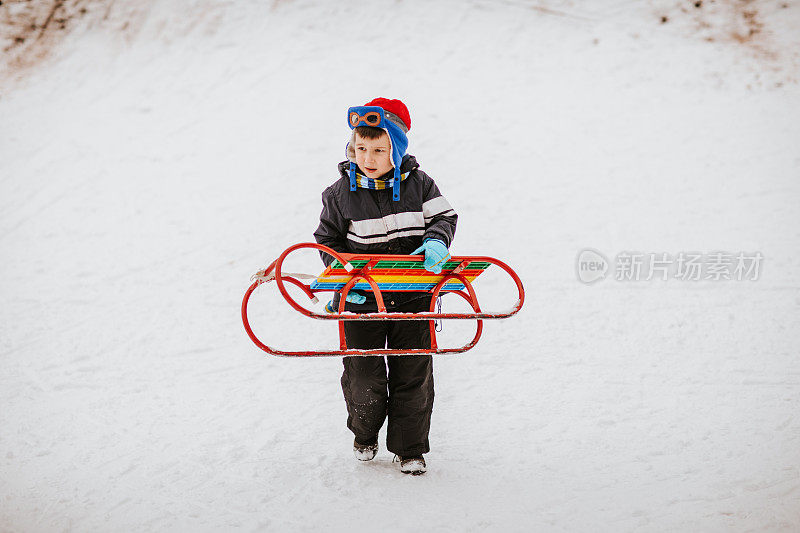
(376, 273)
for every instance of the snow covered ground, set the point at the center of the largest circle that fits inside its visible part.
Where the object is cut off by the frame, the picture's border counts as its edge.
(166, 151)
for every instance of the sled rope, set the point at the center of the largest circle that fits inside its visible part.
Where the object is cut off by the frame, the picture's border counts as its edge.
(268, 275)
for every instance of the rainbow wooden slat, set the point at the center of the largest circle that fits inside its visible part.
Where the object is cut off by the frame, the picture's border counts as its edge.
(397, 273)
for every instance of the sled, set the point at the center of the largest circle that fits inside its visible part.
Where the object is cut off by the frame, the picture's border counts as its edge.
(377, 273)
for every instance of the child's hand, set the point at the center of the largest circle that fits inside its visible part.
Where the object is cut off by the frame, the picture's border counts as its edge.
(435, 255)
(353, 298)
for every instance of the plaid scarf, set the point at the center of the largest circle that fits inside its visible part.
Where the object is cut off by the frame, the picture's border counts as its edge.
(377, 184)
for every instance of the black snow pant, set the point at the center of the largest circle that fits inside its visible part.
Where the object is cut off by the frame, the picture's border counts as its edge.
(400, 387)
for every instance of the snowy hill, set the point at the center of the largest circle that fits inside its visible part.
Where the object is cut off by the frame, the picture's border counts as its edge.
(153, 155)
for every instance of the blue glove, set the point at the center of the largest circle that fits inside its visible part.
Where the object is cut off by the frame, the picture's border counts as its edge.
(353, 298)
(435, 255)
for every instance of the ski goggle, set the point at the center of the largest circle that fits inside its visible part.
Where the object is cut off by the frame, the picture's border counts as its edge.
(366, 116)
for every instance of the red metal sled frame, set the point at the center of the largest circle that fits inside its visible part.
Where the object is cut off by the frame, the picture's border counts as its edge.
(363, 273)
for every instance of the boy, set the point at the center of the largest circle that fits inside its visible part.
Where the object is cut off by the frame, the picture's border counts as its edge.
(384, 204)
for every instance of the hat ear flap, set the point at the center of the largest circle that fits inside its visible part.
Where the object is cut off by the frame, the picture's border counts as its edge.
(349, 151)
(352, 176)
(396, 184)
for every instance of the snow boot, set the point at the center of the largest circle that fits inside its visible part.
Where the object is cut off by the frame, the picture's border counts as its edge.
(413, 464)
(365, 452)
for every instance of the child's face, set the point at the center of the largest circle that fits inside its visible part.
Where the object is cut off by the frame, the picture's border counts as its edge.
(373, 156)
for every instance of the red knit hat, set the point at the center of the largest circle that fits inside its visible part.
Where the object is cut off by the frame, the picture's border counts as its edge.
(395, 107)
